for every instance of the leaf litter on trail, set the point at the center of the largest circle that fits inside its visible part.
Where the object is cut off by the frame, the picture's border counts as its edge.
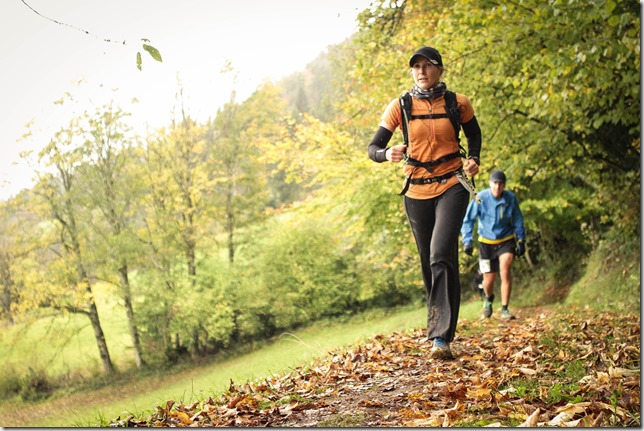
(544, 370)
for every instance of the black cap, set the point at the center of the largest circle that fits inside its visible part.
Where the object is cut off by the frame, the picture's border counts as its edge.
(429, 53)
(497, 177)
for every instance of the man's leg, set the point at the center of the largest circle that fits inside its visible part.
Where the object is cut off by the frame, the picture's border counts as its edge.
(489, 266)
(505, 266)
(488, 290)
(488, 283)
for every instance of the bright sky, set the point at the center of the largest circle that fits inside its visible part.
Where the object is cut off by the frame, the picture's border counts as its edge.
(41, 60)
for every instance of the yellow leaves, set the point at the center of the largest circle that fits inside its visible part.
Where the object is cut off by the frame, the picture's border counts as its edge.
(166, 416)
(477, 357)
(182, 417)
(479, 393)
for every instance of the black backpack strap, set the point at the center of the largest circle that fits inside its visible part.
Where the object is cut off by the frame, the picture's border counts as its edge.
(429, 165)
(428, 116)
(451, 107)
(405, 108)
(439, 179)
(454, 114)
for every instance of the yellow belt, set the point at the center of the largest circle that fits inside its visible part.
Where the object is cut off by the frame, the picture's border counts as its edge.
(495, 241)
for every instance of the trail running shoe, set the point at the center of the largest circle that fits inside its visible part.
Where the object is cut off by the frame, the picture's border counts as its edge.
(440, 349)
(487, 309)
(505, 315)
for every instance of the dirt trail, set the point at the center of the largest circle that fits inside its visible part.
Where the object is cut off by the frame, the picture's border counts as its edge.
(543, 369)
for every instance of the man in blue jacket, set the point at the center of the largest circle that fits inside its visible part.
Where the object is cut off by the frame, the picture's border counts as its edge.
(501, 236)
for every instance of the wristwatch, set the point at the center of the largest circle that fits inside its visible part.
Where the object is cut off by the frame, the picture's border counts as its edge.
(476, 159)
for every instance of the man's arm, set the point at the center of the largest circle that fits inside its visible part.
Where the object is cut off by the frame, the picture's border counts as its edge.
(517, 221)
(468, 222)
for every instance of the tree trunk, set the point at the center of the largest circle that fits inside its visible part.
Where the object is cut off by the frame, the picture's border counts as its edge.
(127, 299)
(191, 257)
(230, 226)
(6, 296)
(92, 313)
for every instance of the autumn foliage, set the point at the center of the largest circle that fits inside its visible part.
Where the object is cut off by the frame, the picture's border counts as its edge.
(543, 369)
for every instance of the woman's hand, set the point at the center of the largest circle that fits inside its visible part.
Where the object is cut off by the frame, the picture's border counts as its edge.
(470, 167)
(396, 153)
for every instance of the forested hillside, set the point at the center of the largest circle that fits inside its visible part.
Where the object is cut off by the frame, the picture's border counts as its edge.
(270, 215)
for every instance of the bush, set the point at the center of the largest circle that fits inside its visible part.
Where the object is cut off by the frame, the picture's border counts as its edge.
(9, 381)
(297, 274)
(35, 385)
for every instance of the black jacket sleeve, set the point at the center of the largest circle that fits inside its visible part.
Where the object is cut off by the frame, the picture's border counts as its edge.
(378, 145)
(473, 134)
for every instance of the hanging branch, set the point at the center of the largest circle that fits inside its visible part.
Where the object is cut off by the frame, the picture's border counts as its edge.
(154, 53)
(69, 25)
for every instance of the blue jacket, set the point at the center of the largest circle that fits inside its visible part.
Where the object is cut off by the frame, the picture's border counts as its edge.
(498, 218)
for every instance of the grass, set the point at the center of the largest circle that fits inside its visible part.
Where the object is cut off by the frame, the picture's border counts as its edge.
(65, 345)
(93, 408)
(346, 420)
(612, 279)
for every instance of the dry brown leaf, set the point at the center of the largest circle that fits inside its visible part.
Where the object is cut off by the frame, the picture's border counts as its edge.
(598, 420)
(532, 420)
(528, 371)
(560, 419)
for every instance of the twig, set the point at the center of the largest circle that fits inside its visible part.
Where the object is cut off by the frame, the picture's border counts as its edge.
(71, 26)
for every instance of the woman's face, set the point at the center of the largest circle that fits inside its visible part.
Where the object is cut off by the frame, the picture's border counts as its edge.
(425, 73)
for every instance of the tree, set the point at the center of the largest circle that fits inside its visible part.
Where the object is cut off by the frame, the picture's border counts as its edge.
(71, 270)
(18, 242)
(177, 219)
(237, 136)
(109, 192)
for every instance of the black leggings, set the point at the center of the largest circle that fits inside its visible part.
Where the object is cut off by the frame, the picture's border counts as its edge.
(436, 224)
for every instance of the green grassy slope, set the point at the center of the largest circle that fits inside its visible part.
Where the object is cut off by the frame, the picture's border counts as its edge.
(286, 352)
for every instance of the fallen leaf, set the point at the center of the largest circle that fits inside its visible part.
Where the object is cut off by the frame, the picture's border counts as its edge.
(532, 420)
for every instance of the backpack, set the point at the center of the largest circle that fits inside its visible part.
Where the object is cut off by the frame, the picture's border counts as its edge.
(454, 115)
(451, 106)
